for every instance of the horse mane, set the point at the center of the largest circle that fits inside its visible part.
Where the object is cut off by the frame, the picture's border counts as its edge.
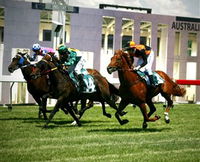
(125, 55)
(52, 64)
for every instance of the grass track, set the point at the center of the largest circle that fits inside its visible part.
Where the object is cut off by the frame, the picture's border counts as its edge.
(22, 137)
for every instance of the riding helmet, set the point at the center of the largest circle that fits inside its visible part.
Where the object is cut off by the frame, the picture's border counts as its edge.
(36, 47)
(62, 49)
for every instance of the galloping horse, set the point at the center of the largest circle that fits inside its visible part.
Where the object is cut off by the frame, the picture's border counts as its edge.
(65, 90)
(134, 90)
(38, 88)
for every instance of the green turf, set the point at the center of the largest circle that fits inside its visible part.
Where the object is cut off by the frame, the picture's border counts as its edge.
(22, 137)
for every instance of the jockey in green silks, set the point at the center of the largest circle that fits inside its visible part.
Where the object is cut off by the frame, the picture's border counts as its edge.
(73, 63)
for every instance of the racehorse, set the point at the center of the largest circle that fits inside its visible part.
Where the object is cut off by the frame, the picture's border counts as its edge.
(38, 88)
(134, 90)
(65, 90)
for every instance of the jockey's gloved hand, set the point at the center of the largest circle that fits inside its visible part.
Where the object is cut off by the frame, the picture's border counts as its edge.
(137, 68)
(65, 67)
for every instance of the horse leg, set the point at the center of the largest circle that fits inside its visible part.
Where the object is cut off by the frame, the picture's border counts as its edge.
(113, 105)
(145, 115)
(74, 107)
(122, 106)
(152, 110)
(152, 107)
(39, 102)
(71, 112)
(90, 103)
(83, 108)
(104, 110)
(56, 108)
(44, 107)
(169, 105)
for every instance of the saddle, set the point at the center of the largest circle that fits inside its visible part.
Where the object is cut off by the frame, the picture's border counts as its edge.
(157, 79)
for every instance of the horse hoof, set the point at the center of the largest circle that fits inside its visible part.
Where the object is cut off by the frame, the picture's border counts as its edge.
(124, 121)
(122, 113)
(144, 126)
(167, 121)
(74, 123)
(157, 117)
(108, 115)
(45, 126)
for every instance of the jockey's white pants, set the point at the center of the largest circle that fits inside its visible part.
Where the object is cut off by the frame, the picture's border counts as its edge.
(79, 69)
(148, 67)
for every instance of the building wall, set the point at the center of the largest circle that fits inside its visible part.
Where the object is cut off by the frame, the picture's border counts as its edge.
(22, 30)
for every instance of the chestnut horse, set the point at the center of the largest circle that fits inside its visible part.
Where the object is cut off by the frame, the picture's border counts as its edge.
(65, 90)
(134, 90)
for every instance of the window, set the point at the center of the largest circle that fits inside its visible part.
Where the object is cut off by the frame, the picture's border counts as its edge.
(45, 26)
(192, 45)
(1, 25)
(189, 47)
(127, 31)
(145, 33)
(158, 46)
(110, 41)
(125, 39)
(46, 35)
(1, 34)
(143, 40)
(108, 31)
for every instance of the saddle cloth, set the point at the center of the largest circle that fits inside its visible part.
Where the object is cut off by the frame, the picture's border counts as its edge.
(157, 79)
(88, 86)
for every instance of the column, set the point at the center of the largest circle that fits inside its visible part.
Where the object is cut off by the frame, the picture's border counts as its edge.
(136, 32)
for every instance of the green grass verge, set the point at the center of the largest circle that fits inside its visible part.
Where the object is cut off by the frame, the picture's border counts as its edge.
(22, 137)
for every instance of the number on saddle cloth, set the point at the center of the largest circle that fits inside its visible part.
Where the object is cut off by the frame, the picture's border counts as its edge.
(156, 78)
(89, 86)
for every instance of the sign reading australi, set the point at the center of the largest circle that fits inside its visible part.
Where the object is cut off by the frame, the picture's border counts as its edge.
(189, 24)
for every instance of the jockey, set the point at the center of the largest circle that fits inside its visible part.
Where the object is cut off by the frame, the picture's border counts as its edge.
(145, 57)
(41, 51)
(73, 63)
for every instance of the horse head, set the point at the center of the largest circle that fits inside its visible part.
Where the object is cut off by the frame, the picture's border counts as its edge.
(118, 62)
(18, 61)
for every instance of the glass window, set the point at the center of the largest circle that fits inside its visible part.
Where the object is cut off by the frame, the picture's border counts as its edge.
(1, 34)
(192, 45)
(45, 25)
(108, 30)
(127, 31)
(145, 33)
(1, 25)
(46, 35)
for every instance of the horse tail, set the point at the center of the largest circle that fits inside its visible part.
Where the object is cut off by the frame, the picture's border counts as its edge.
(177, 90)
(114, 92)
(171, 86)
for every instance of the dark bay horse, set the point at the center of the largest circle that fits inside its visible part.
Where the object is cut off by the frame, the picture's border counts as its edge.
(65, 90)
(135, 90)
(38, 88)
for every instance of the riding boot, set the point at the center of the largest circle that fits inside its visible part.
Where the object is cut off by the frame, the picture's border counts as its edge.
(151, 79)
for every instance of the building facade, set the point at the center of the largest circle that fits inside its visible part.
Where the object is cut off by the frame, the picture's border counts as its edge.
(97, 33)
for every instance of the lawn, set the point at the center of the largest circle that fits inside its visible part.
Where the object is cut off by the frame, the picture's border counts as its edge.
(23, 138)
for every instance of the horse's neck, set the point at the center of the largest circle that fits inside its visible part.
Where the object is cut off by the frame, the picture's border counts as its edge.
(125, 74)
(56, 77)
(26, 71)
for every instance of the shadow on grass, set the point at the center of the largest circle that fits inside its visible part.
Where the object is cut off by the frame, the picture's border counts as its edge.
(130, 130)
